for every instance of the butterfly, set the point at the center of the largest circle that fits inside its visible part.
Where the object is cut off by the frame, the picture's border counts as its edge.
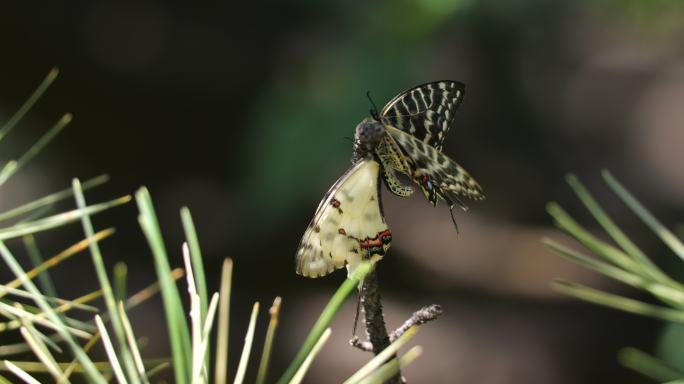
(406, 137)
(416, 122)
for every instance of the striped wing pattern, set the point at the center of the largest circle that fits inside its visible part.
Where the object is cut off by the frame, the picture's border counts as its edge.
(426, 111)
(348, 225)
(434, 172)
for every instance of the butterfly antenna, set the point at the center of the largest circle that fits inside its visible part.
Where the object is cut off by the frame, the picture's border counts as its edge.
(374, 111)
(358, 301)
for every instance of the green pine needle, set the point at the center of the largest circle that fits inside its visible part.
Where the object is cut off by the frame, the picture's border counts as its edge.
(247, 347)
(221, 364)
(173, 308)
(82, 357)
(19, 114)
(382, 357)
(618, 302)
(326, 317)
(51, 199)
(392, 367)
(268, 342)
(613, 230)
(107, 290)
(648, 365)
(299, 375)
(667, 236)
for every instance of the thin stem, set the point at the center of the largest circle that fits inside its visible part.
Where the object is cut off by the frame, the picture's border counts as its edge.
(19, 114)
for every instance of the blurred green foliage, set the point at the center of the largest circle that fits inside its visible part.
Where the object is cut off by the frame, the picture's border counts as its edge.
(313, 113)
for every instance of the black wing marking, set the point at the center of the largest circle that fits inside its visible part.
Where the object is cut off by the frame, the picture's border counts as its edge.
(426, 111)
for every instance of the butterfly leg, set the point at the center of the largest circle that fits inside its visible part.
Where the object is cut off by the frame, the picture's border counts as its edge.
(451, 208)
(453, 219)
(356, 317)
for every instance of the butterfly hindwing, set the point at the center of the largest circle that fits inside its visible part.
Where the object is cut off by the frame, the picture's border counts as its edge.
(391, 158)
(426, 111)
(348, 224)
(436, 173)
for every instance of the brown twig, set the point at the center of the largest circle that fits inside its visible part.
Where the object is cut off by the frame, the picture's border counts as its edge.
(373, 314)
(374, 319)
(365, 346)
(419, 317)
(376, 331)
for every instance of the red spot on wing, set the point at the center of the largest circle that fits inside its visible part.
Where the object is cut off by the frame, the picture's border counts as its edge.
(384, 237)
(422, 179)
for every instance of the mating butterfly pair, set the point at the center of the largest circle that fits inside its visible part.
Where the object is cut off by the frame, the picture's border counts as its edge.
(406, 136)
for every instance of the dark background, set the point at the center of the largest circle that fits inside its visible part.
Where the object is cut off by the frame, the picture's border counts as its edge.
(242, 111)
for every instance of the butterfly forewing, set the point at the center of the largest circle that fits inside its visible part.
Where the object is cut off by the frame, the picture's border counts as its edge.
(426, 111)
(348, 225)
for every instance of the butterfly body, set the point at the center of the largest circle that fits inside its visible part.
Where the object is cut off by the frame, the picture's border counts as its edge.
(405, 137)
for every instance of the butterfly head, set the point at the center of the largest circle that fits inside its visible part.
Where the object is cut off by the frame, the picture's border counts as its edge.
(369, 132)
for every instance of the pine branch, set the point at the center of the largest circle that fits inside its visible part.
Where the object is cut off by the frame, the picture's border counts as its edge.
(376, 331)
